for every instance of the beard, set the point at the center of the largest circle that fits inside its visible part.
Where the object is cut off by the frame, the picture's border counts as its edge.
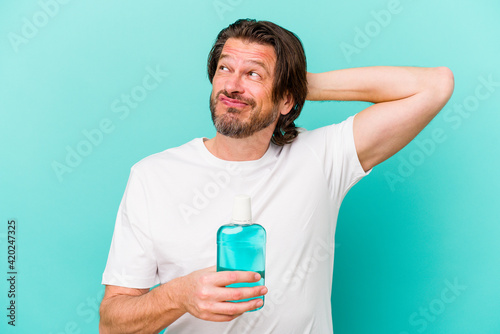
(229, 125)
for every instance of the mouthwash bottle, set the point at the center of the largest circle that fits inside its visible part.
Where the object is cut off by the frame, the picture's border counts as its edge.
(241, 245)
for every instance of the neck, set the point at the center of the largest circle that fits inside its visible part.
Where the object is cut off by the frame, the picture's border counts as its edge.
(244, 149)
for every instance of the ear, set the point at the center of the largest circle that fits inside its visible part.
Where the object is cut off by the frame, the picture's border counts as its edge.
(287, 104)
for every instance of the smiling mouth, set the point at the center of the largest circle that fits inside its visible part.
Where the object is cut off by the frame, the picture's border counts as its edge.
(233, 103)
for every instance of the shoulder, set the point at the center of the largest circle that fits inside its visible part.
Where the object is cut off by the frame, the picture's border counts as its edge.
(170, 157)
(329, 133)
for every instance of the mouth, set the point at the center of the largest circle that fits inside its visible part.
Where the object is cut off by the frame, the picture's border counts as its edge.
(233, 103)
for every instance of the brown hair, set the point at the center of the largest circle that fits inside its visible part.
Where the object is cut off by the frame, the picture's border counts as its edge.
(290, 71)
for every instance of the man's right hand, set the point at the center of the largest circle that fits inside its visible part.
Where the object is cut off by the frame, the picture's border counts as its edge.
(202, 293)
(206, 296)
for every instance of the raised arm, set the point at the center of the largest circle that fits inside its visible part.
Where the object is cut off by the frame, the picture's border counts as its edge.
(406, 100)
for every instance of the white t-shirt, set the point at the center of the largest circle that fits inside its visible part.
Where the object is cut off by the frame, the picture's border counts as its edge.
(177, 199)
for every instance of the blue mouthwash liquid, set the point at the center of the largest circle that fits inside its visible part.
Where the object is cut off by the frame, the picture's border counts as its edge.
(241, 245)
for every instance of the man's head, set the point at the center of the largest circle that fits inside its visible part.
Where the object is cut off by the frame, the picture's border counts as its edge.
(274, 85)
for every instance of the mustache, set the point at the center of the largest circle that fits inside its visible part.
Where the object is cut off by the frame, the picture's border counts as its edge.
(238, 97)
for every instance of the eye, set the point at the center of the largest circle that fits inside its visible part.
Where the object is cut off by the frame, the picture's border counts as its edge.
(223, 68)
(254, 74)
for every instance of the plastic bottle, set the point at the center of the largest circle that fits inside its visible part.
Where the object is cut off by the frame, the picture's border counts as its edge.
(241, 245)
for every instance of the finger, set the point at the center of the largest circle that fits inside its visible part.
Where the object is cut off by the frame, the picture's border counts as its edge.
(227, 294)
(236, 309)
(224, 278)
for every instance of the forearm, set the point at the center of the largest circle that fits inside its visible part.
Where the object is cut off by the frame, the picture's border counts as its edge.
(147, 313)
(373, 84)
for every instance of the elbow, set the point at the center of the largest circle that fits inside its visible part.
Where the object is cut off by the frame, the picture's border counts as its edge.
(103, 328)
(444, 83)
(105, 323)
(447, 77)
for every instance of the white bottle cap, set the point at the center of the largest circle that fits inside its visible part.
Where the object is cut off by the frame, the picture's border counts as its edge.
(242, 210)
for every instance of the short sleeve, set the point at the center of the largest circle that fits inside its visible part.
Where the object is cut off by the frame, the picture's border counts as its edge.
(336, 151)
(345, 168)
(131, 261)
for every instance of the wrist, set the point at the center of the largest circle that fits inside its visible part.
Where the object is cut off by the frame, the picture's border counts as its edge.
(173, 298)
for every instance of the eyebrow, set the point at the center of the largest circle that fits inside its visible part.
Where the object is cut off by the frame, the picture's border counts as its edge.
(252, 61)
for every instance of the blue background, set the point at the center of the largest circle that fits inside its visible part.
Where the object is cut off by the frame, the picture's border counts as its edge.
(423, 220)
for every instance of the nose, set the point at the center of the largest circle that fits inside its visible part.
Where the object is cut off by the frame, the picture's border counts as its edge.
(234, 84)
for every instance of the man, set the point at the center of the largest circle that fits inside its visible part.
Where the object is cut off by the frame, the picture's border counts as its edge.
(175, 200)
